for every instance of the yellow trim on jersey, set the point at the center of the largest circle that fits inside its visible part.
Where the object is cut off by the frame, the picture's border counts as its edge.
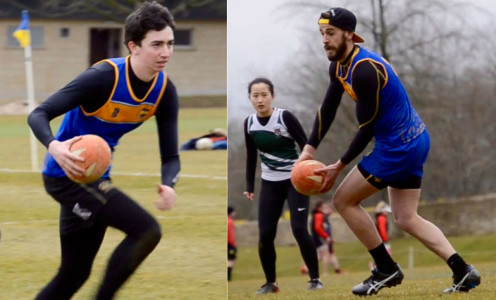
(119, 112)
(392, 68)
(384, 75)
(355, 52)
(130, 89)
(347, 87)
(124, 113)
(116, 72)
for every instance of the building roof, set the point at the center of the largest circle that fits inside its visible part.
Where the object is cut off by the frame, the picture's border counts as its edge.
(103, 10)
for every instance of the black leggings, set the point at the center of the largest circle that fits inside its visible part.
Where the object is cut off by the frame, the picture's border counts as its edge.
(86, 212)
(270, 205)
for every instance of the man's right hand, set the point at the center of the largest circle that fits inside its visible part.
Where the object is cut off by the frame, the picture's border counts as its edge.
(65, 158)
(306, 154)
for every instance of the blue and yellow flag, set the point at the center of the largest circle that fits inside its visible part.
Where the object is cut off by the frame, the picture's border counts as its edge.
(22, 33)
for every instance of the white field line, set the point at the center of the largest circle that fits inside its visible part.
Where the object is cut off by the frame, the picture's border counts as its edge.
(7, 170)
(57, 220)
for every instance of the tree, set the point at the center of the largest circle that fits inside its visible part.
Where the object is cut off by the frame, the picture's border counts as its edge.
(113, 10)
(439, 58)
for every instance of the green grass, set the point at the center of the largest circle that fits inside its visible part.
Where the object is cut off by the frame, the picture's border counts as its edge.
(188, 263)
(428, 277)
(353, 257)
(203, 101)
(419, 284)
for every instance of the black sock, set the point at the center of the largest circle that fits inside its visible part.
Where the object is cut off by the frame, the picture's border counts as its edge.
(383, 260)
(229, 270)
(457, 264)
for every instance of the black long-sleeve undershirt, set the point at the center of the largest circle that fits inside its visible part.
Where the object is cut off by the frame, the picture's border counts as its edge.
(91, 90)
(295, 130)
(367, 80)
(327, 111)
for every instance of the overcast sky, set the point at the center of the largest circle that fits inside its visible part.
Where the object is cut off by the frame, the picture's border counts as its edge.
(262, 37)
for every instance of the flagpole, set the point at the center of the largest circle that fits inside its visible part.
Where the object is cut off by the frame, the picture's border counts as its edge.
(23, 35)
(28, 62)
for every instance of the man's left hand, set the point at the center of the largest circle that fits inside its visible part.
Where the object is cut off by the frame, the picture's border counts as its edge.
(167, 197)
(331, 173)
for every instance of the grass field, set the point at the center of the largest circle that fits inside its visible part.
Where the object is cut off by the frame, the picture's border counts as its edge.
(189, 262)
(425, 276)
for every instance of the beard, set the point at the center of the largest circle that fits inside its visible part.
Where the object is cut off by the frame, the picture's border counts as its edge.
(340, 51)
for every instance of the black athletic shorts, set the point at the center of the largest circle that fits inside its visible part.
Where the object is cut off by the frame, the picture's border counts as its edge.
(79, 203)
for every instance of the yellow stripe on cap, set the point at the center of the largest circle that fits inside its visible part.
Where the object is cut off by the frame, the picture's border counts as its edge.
(323, 21)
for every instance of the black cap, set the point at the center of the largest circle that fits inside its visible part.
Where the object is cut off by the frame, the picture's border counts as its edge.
(230, 209)
(342, 18)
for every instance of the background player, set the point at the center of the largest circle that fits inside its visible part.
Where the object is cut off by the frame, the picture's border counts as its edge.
(274, 134)
(110, 99)
(402, 143)
(322, 236)
(381, 212)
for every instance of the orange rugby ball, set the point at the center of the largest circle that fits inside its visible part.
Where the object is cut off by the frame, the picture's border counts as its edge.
(97, 156)
(303, 178)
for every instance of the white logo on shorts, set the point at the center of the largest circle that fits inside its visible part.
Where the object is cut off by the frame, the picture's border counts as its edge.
(83, 213)
(301, 209)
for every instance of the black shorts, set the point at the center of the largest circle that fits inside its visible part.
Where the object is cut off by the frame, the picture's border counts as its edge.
(231, 252)
(79, 203)
(318, 241)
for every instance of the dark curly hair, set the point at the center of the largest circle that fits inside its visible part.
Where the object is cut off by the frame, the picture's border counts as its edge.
(149, 16)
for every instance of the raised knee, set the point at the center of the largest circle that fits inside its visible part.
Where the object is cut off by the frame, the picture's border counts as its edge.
(154, 234)
(339, 204)
(405, 223)
(150, 235)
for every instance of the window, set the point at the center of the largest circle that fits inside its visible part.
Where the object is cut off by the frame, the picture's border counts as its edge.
(183, 38)
(64, 32)
(36, 37)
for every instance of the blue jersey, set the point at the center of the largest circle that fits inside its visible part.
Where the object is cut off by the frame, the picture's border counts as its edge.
(122, 113)
(397, 122)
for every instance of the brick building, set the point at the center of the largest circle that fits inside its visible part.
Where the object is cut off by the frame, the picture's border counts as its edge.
(64, 45)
